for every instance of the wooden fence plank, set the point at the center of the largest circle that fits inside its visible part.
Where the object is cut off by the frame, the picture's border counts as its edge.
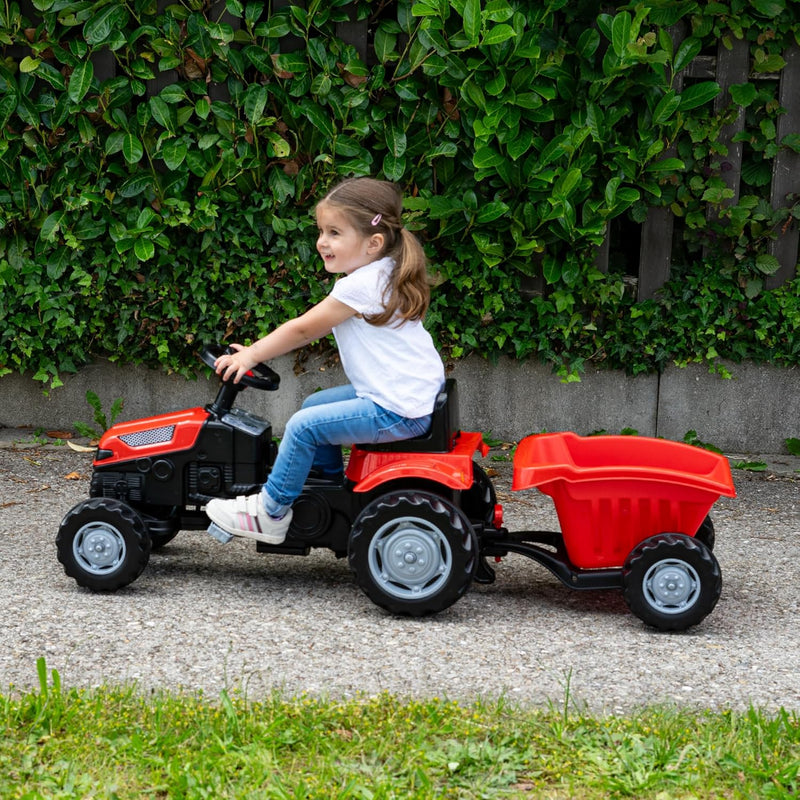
(786, 170)
(655, 247)
(655, 252)
(733, 67)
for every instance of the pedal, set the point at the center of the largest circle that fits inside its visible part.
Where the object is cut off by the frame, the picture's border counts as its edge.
(220, 535)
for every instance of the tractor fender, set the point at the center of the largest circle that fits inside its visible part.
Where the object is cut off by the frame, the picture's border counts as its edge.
(368, 469)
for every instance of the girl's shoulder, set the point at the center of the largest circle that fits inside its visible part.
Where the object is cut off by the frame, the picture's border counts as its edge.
(363, 288)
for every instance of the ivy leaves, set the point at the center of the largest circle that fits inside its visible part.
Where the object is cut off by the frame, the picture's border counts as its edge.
(163, 164)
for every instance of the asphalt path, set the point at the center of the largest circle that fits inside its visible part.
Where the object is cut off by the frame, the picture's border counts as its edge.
(207, 617)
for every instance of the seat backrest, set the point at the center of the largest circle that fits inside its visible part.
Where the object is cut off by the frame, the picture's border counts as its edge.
(443, 432)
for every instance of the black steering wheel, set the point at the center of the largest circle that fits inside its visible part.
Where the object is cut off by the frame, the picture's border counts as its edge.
(261, 376)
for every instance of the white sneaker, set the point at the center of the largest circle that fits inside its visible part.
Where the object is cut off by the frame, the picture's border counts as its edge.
(245, 516)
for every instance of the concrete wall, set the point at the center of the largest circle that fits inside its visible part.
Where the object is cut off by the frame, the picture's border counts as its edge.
(754, 412)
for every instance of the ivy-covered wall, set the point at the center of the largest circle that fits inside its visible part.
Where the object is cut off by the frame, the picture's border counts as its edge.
(159, 164)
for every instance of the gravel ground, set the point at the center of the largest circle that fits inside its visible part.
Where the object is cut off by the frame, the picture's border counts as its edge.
(204, 616)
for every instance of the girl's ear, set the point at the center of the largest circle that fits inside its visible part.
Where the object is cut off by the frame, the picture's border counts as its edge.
(375, 243)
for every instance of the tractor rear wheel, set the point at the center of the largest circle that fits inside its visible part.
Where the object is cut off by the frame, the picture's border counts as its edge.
(413, 553)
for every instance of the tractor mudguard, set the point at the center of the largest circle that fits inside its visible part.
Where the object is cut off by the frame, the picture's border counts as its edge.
(368, 469)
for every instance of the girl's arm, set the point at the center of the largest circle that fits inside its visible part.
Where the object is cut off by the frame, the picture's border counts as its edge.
(314, 324)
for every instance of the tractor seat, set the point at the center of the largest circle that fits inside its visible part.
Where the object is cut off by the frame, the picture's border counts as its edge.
(443, 432)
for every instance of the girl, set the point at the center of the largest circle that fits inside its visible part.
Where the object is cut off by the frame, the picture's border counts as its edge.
(375, 311)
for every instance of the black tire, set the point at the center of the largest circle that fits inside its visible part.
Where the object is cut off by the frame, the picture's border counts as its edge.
(671, 581)
(103, 544)
(705, 533)
(159, 540)
(479, 501)
(435, 547)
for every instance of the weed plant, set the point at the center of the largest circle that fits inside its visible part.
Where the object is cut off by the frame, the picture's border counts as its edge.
(117, 742)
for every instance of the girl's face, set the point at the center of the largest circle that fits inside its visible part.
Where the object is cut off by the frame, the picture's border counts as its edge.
(342, 247)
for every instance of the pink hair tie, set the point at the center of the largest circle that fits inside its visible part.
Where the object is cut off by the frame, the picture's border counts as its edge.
(376, 220)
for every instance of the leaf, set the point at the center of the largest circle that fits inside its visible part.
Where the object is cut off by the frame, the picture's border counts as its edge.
(498, 34)
(51, 225)
(666, 107)
(750, 466)
(135, 185)
(8, 105)
(667, 165)
(697, 94)
(393, 167)
(318, 118)
(769, 63)
(255, 101)
(294, 63)
(743, 94)
(395, 139)
(621, 33)
(486, 158)
(29, 64)
(519, 146)
(793, 446)
(688, 50)
(79, 448)
(144, 249)
(174, 153)
(162, 113)
(132, 149)
(767, 264)
(472, 20)
(551, 268)
(385, 45)
(792, 141)
(567, 183)
(202, 108)
(80, 81)
(100, 27)
(769, 8)
(492, 211)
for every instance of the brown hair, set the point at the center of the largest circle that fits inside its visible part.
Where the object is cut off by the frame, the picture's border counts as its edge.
(374, 206)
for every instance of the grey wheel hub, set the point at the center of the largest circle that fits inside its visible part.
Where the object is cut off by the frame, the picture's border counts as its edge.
(410, 558)
(671, 586)
(99, 548)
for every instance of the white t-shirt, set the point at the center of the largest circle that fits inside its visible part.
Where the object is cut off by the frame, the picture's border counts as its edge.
(395, 366)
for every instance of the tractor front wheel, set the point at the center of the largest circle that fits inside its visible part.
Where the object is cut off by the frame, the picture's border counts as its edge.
(103, 544)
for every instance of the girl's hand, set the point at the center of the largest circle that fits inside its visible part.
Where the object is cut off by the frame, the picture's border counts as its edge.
(235, 364)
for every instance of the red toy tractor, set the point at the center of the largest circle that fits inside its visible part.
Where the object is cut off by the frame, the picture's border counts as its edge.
(416, 519)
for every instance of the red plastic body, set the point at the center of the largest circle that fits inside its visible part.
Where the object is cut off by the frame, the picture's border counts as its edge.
(612, 492)
(180, 430)
(369, 469)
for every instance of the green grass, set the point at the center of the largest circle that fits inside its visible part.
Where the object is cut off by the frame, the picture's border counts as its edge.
(119, 742)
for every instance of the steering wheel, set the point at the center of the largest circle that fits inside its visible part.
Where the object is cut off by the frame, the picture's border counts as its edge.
(261, 376)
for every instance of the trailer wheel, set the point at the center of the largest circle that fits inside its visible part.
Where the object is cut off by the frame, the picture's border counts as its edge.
(705, 533)
(413, 553)
(671, 581)
(103, 544)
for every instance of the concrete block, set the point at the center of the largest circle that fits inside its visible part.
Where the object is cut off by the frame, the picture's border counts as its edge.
(754, 411)
(513, 399)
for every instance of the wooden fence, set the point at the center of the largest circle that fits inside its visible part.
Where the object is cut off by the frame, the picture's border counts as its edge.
(655, 237)
(730, 67)
(656, 234)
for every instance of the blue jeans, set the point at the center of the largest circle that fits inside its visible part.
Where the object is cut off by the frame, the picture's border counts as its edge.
(315, 434)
